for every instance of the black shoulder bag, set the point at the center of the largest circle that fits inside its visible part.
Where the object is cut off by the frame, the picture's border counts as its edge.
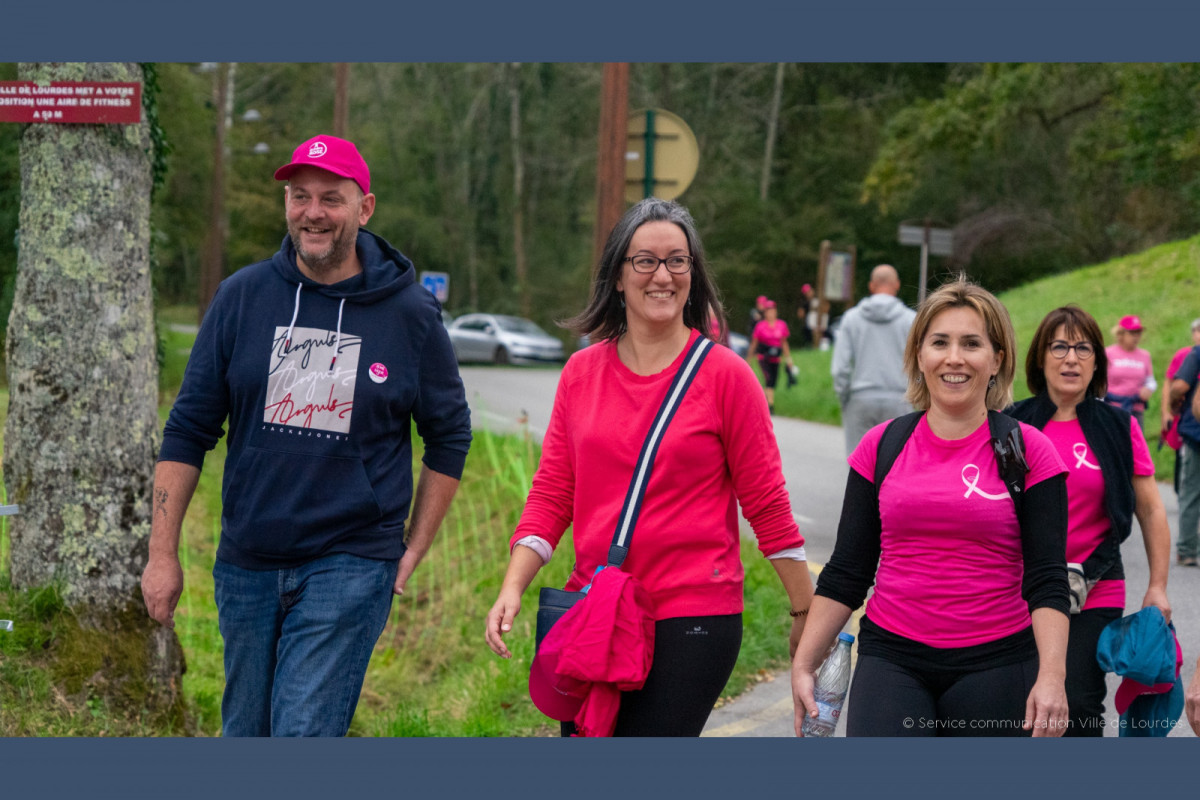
(553, 603)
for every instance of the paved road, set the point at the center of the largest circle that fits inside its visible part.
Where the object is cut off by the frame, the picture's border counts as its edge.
(509, 399)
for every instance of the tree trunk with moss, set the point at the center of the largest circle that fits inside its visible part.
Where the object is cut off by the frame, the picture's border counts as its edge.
(81, 435)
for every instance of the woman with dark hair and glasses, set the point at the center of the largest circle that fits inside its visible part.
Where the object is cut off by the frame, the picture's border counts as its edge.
(650, 301)
(1110, 478)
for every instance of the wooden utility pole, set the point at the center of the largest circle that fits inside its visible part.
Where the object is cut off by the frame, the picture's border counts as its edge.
(610, 163)
(772, 126)
(212, 269)
(341, 99)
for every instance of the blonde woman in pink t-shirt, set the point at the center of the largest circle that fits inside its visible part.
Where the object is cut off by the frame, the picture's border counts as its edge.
(966, 631)
(650, 301)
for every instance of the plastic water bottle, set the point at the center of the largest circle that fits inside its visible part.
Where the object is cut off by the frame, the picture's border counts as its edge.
(833, 681)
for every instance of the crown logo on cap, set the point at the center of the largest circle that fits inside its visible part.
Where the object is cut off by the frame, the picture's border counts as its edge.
(317, 150)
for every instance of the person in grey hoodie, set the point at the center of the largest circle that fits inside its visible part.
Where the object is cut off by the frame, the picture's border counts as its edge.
(868, 357)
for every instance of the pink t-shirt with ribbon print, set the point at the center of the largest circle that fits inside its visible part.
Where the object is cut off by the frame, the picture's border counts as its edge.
(951, 564)
(769, 335)
(1087, 521)
(1128, 372)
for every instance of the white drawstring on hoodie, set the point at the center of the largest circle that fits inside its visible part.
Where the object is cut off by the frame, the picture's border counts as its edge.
(337, 345)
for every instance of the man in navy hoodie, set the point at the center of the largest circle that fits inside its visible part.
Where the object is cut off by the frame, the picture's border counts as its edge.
(320, 358)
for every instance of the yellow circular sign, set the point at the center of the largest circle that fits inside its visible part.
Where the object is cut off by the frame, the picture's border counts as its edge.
(661, 155)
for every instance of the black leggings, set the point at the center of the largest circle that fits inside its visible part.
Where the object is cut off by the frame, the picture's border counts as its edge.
(770, 371)
(887, 699)
(693, 659)
(1086, 687)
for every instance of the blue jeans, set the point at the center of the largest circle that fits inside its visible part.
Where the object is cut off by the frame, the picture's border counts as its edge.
(297, 643)
(1189, 502)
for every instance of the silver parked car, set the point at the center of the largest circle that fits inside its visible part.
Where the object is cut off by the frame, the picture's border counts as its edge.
(739, 344)
(502, 340)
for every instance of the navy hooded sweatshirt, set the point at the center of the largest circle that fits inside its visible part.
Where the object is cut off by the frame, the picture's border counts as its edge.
(320, 385)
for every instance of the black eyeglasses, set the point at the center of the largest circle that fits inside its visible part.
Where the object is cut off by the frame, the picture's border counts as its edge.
(1083, 350)
(675, 264)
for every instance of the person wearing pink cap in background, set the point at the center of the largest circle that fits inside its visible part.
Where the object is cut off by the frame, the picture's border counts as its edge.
(1131, 381)
(806, 313)
(319, 360)
(1170, 421)
(769, 343)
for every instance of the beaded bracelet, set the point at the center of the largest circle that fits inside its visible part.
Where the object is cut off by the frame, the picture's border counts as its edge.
(797, 613)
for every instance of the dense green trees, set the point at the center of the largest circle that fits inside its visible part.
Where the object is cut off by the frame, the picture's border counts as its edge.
(486, 171)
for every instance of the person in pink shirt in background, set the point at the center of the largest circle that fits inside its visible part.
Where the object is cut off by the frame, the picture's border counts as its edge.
(1110, 478)
(770, 344)
(1131, 381)
(1170, 422)
(966, 632)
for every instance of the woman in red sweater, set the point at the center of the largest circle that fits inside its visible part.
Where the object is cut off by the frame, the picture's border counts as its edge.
(649, 301)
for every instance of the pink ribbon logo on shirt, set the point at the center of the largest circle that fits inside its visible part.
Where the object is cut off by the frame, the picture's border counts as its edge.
(970, 479)
(1081, 452)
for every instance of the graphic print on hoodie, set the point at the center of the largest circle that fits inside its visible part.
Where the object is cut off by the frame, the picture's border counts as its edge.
(302, 390)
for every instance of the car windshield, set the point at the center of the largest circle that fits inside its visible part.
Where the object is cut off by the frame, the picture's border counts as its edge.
(518, 325)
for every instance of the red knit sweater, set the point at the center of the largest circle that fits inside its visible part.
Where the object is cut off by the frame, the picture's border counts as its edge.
(719, 449)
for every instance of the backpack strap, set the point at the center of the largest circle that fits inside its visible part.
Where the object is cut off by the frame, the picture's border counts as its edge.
(895, 435)
(1009, 447)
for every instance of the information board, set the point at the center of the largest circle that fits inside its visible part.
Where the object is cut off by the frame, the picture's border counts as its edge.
(77, 102)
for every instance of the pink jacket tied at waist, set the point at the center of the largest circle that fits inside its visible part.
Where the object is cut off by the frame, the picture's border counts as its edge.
(602, 646)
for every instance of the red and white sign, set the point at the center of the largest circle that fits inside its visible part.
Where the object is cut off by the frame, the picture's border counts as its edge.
(77, 102)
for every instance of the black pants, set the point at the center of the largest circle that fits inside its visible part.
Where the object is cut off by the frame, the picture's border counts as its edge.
(693, 659)
(887, 699)
(770, 371)
(1086, 688)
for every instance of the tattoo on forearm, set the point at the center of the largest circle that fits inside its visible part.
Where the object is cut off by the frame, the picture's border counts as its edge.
(160, 502)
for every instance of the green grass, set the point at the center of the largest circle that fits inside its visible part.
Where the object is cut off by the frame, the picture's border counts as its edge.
(812, 397)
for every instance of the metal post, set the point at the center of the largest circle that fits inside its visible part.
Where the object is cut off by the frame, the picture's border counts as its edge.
(341, 99)
(924, 265)
(648, 177)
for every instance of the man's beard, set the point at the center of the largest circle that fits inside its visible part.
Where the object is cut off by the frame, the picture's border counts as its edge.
(324, 262)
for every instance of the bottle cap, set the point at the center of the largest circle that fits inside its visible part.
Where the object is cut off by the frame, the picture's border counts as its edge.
(846, 637)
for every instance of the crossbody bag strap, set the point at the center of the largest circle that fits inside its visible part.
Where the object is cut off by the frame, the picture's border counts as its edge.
(645, 463)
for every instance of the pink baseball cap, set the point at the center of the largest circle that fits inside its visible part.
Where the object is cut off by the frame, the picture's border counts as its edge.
(331, 154)
(556, 696)
(1130, 322)
(768, 304)
(806, 287)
